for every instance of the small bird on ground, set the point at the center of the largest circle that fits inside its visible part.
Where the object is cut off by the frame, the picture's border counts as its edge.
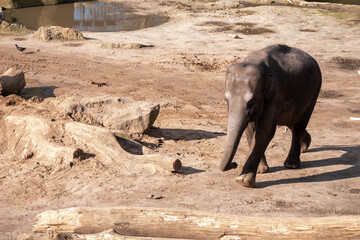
(21, 49)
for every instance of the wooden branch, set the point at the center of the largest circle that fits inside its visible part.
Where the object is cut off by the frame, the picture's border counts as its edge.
(167, 223)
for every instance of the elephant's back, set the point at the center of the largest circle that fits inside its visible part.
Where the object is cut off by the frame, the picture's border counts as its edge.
(292, 60)
(297, 75)
(294, 66)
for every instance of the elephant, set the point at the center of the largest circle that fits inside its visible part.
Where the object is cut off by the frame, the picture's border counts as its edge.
(277, 85)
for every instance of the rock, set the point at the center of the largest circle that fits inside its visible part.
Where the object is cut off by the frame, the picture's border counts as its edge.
(113, 113)
(152, 196)
(12, 82)
(99, 84)
(28, 155)
(78, 154)
(12, 28)
(49, 33)
(234, 36)
(125, 45)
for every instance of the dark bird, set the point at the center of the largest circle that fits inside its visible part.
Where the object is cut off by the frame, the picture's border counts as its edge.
(21, 49)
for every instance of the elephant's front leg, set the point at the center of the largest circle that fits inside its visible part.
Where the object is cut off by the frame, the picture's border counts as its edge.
(250, 130)
(264, 132)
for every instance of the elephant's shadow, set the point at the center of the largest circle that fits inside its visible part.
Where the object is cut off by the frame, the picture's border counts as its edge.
(351, 157)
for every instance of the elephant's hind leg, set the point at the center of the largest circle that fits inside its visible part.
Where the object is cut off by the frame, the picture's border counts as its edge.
(300, 142)
(306, 141)
(250, 130)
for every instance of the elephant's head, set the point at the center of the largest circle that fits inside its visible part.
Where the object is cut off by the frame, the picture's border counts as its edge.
(247, 88)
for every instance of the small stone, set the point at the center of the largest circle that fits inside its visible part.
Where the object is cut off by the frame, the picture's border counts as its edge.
(28, 155)
(152, 196)
(78, 153)
(234, 36)
(99, 84)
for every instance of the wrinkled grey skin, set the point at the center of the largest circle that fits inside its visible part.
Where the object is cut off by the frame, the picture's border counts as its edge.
(277, 85)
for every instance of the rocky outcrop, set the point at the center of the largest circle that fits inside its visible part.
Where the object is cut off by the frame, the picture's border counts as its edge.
(113, 113)
(13, 28)
(49, 33)
(12, 82)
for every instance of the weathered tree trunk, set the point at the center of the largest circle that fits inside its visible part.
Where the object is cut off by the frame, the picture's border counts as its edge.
(12, 82)
(166, 223)
(110, 234)
(103, 142)
(31, 137)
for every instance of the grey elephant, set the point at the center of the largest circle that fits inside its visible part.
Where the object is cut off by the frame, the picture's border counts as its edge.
(277, 85)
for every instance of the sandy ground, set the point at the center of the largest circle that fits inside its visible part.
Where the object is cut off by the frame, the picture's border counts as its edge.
(184, 72)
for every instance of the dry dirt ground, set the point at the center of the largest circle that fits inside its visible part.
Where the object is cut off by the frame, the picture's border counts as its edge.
(184, 72)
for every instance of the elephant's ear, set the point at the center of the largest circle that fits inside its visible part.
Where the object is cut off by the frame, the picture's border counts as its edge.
(269, 88)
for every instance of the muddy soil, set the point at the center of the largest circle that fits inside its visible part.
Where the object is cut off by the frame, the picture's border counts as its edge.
(184, 72)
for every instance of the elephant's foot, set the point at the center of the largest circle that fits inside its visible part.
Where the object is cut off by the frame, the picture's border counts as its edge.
(263, 167)
(247, 180)
(305, 143)
(292, 163)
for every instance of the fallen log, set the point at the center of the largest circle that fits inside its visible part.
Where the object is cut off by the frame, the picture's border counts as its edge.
(104, 143)
(31, 140)
(110, 234)
(167, 223)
